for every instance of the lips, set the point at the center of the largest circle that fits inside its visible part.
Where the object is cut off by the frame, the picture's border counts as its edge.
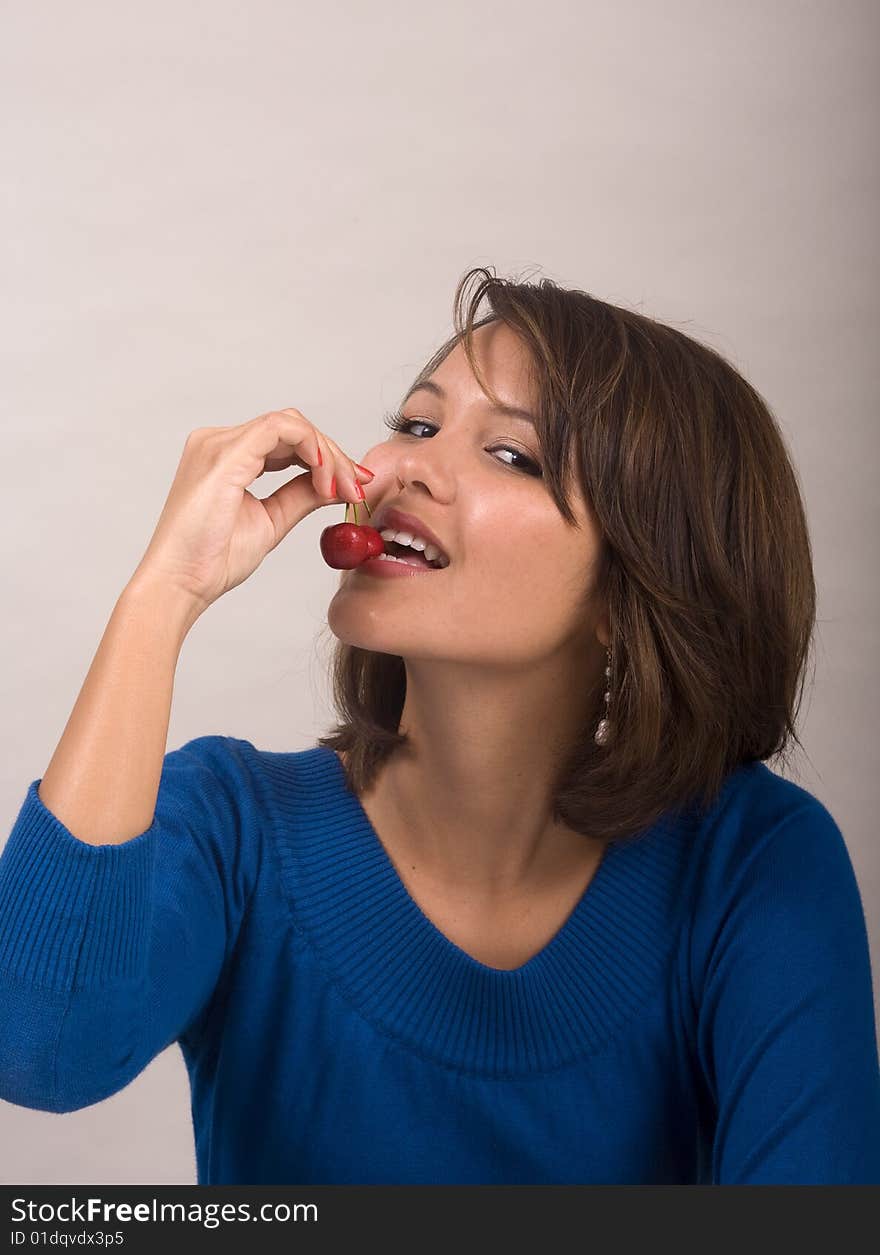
(390, 517)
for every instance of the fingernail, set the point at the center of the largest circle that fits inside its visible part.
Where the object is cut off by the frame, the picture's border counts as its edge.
(364, 471)
(360, 491)
(320, 459)
(333, 486)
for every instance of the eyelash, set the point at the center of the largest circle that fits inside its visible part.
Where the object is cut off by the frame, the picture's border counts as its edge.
(396, 421)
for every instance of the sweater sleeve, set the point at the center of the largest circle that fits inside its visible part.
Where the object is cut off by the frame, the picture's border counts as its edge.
(110, 953)
(786, 1025)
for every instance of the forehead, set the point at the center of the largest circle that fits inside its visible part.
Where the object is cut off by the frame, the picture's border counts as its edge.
(504, 360)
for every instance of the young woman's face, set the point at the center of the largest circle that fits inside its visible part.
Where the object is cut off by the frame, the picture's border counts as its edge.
(518, 578)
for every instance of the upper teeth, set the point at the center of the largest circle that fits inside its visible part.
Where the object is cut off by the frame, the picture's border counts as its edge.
(431, 552)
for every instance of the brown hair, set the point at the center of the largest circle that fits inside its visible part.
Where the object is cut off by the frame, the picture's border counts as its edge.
(706, 570)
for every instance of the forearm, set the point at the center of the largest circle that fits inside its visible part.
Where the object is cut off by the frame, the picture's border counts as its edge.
(103, 779)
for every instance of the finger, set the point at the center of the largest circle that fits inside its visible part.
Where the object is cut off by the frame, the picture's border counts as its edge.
(288, 452)
(348, 473)
(290, 503)
(323, 477)
(299, 441)
(348, 476)
(283, 438)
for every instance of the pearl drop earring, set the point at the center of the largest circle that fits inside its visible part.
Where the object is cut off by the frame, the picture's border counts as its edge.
(601, 736)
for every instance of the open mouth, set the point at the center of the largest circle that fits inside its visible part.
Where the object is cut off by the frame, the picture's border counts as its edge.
(411, 550)
(406, 554)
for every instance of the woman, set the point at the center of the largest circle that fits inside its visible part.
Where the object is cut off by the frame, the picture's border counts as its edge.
(537, 911)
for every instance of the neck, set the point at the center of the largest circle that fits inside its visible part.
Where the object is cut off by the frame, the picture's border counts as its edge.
(471, 797)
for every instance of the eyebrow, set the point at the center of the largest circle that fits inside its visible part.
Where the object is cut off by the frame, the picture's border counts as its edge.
(509, 411)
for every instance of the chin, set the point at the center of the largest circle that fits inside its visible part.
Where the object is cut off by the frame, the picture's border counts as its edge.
(354, 624)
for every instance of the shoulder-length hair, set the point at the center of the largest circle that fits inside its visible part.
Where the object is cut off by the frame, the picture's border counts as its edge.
(706, 566)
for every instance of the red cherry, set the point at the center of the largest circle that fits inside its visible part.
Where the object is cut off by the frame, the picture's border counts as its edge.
(344, 546)
(375, 543)
(347, 545)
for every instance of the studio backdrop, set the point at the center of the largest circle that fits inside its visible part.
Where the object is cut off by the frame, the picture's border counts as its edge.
(215, 210)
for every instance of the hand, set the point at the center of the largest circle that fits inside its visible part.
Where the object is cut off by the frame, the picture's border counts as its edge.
(213, 533)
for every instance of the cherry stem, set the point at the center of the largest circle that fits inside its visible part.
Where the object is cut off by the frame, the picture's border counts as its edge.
(356, 504)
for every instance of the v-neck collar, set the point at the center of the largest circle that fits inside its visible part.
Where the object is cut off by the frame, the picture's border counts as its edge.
(385, 857)
(415, 984)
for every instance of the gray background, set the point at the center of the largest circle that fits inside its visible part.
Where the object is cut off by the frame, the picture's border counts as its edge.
(215, 209)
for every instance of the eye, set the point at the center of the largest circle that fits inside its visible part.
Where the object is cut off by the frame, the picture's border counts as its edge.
(396, 421)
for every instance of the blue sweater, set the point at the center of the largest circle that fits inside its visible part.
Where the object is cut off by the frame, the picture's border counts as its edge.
(704, 1015)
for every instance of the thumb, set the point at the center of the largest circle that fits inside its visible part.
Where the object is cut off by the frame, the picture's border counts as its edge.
(292, 502)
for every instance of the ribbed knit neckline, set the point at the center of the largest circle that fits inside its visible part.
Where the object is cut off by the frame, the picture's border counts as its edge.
(392, 963)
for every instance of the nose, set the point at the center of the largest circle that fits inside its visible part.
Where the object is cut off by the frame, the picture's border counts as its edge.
(414, 469)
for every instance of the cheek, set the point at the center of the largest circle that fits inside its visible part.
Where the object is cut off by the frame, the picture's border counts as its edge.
(528, 575)
(514, 556)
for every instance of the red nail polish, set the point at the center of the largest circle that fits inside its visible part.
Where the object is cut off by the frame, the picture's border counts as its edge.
(372, 474)
(360, 491)
(333, 486)
(320, 459)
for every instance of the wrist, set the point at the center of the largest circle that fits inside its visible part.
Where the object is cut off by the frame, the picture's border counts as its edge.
(168, 604)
